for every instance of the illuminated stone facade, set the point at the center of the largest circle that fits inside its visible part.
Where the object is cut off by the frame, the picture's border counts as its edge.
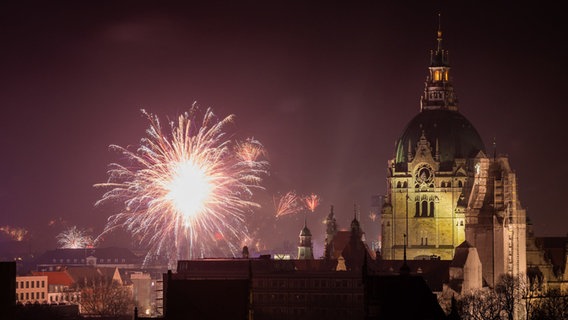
(443, 189)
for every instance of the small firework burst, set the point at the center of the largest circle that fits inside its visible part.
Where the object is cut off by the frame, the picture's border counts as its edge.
(14, 233)
(74, 238)
(311, 202)
(287, 204)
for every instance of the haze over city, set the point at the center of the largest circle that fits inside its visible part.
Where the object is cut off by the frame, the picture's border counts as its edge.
(326, 89)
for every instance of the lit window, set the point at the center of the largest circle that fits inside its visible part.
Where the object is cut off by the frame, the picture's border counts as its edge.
(437, 76)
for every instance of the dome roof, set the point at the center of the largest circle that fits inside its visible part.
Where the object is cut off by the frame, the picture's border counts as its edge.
(454, 135)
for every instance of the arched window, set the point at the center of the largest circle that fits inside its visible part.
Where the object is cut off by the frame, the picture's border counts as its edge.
(424, 208)
(432, 209)
(417, 213)
(437, 75)
(405, 184)
(449, 184)
(460, 183)
(398, 184)
(443, 184)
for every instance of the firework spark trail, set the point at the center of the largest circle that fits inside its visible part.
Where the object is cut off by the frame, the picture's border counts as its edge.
(311, 202)
(186, 191)
(287, 204)
(74, 238)
(14, 233)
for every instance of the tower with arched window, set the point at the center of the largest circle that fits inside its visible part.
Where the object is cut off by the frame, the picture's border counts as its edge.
(442, 189)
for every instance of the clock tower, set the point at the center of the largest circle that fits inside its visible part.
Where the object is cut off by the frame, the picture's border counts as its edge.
(443, 189)
(427, 181)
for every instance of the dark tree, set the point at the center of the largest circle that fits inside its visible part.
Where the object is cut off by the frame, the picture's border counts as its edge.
(106, 298)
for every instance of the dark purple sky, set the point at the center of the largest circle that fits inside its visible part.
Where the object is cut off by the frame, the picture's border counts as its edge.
(327, 89)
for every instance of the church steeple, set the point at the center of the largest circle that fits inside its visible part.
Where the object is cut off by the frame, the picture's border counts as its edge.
(439, 92)
(305, 248)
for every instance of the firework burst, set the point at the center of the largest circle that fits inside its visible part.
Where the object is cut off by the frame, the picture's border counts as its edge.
(311, 202)
(14, 233)
(287, 204)
(74, 238)
(186, 191)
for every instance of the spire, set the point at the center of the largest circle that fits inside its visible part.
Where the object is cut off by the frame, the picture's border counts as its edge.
(354, 211)
(439, 92)
(305, 248)
(439, 58)
(439, 38)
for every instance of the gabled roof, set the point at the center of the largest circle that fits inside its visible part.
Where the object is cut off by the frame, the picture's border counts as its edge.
(83, 274)
(56, 277)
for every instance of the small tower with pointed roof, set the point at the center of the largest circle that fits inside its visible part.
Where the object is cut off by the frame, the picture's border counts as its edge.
(330, 232)
(305, 248)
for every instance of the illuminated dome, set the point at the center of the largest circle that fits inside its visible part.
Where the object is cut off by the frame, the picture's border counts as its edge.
(450, 135)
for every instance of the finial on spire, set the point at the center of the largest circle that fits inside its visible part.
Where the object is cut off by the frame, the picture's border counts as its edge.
(439, 38)
(354, 210)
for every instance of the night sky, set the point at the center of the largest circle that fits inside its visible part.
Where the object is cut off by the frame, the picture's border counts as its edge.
(326, 88)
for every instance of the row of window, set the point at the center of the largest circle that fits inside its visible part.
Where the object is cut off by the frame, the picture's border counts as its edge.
(312, 299)
(336, 312)
(30, 284)
(65, 298)
(31, 296)
(444, 184)
(305, 283)
(83, 260)
(424, 209)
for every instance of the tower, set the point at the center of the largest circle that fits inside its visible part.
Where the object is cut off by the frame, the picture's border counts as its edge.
(442, 189)
(427, 179)
(330, 232)
(305, 248)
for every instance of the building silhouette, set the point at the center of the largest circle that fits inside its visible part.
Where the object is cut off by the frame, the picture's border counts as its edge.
(353, 286)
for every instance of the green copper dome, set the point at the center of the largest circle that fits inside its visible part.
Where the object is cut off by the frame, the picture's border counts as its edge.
(449, 133)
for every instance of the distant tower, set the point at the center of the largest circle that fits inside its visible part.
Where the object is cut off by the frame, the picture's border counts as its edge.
(355, 251)
(305, 249)
(330, 232)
